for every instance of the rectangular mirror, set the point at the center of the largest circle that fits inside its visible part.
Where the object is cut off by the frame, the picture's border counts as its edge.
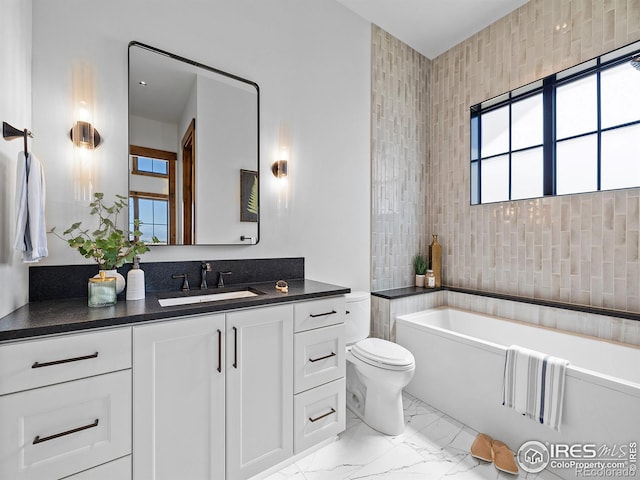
(193, 151)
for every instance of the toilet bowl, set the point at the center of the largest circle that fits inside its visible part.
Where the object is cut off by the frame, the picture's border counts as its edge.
(377, 371)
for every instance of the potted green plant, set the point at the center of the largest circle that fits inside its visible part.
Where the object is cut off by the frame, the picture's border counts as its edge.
(420, 266)
(108, 245)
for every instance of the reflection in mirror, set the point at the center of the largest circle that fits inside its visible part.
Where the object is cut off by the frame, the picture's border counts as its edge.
(193, 151)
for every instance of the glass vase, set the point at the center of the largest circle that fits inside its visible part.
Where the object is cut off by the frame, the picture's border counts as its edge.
(102, 290)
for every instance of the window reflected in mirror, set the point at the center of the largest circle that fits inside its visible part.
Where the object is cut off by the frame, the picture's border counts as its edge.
(152, 187)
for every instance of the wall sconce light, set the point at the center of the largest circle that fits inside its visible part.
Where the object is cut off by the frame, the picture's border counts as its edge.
(279, 167)
(83, 134)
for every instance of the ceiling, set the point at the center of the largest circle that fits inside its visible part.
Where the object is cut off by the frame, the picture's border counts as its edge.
(432, 26)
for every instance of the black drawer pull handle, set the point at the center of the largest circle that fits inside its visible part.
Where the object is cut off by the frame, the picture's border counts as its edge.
(68, 432)
(219, 351)
(66, 360)
(313, 360)
(322, 416)
(235, 347)
(322, 314)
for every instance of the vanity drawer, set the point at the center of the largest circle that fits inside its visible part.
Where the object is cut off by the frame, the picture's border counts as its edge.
(117, 470)
(36, 363)
(318, 357)
(55, 431)
(318, 313)
(319, 414)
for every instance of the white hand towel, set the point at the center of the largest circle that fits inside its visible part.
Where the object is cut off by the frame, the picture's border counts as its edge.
(31, 230)
(534, 385)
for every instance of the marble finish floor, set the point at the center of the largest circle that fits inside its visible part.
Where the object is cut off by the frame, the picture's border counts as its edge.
(433, 446)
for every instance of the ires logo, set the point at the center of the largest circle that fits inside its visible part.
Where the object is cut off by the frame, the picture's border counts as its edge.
(577, 450)
(586, 459)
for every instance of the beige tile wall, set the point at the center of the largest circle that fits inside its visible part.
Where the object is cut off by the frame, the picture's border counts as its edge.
(600, 326)
(582, 248)
(384, 311)
(399, 134)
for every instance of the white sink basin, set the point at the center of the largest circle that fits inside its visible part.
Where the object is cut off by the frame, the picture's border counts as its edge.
(211, 297)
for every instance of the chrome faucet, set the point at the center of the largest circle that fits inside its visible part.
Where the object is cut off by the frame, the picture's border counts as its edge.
(204, 268)
(220, 280)
(185, 282)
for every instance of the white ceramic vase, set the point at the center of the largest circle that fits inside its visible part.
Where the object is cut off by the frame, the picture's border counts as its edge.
(120, 281)
(419, 280)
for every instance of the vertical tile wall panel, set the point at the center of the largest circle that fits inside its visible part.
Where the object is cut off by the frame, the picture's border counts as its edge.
(399, 135)
(581, 248)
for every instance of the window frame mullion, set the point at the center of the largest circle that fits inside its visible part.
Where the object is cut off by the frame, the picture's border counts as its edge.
(549, 136)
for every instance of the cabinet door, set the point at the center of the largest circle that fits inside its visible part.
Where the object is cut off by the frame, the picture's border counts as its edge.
(259, 389)
(179, 420)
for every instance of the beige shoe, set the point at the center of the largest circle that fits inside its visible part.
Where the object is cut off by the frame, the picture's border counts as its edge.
(481, 447)
(503, 458)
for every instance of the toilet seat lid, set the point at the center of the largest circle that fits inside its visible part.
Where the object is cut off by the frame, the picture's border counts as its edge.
(382, 352)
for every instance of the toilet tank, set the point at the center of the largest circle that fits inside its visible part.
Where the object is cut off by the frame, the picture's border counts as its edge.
(358, 318)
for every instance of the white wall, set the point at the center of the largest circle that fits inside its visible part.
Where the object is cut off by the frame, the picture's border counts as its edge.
(226, 143)
(149, 133)
(15, 108)
(311, 60)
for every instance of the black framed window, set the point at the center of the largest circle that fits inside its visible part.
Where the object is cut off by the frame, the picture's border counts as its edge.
(571, 132)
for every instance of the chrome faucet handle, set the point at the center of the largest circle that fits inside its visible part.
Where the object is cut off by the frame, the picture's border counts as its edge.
(204, 268)
(220, 280)
(185, 282)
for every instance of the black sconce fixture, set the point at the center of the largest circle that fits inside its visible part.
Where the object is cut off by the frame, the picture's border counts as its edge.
(84, 135)
(279, 167)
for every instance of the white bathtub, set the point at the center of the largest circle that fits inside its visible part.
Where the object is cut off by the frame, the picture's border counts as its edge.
(459, 370)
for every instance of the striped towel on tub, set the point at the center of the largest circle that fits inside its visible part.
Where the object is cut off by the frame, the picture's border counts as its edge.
(534, 385)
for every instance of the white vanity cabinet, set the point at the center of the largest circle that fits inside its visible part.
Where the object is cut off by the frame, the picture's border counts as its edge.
(213, 394)
(319, 371)
(65, 404)
(199, 397)
(179, 399)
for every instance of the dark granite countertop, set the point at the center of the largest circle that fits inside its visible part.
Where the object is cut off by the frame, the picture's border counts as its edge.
(397, 293)
(405, 292)
(59, 316)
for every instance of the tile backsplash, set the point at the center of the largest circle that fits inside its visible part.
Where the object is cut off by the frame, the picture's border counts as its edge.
(69, 281)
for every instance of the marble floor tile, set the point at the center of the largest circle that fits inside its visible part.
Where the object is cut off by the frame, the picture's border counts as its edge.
(356, 447)
(292, 472)
(406, 461)
(432, 447)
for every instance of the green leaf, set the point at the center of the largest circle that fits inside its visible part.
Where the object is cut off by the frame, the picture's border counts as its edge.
(252, 205)
(107, 244)
(71, 228)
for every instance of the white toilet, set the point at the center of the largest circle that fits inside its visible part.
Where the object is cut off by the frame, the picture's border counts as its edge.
(377, 370)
